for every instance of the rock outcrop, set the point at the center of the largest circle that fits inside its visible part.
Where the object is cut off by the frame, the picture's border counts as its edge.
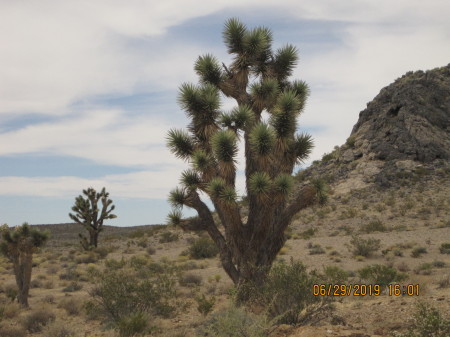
(404, 132)
(407, 120)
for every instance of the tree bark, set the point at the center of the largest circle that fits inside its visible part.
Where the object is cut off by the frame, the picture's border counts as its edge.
(22, 270)
(93, 238)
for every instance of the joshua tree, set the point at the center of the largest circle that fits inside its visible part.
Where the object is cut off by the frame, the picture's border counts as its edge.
(18, 246)
(258, 80)
(90, 216)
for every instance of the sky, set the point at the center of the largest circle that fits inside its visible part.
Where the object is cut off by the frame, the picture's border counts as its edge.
(88, 88)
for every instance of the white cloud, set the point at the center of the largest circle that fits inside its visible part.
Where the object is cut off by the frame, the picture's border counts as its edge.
(103, 136)
(58, 52)
(144, 184)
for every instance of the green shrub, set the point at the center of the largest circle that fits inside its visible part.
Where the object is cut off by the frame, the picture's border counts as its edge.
(168, 237)
(190, 280)
(374, 226)
(72, 287)
(132, 325)
(439, 264)
(203, 248)
(287, 294)
(424, 269)
(142, 242)
(308, 233)
(235, 322)
(93, 311)
(101, 252)
(334, 275)
(138, 262)
(364, 247)
(350, 142)
(418, 251)
(427, 322)
(11, 291)
(37, 319)
(113, 264)
(71, 274)
(205, 305)
(129, 292)
(316, 250)
(444, 248)
(380, 274)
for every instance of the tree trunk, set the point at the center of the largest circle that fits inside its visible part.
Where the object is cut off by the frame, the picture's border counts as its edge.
(93, 238)
(23, 279)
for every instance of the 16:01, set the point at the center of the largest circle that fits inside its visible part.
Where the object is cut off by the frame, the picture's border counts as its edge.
(409, 289)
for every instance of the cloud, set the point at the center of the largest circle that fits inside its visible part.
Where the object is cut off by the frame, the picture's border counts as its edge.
(102, 136)
(144, 184)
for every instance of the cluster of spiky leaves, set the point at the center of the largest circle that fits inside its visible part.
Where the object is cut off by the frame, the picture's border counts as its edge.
(21, 239)
(211, 142)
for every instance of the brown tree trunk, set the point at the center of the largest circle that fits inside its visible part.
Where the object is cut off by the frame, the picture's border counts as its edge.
(23, 278)
(93, 238)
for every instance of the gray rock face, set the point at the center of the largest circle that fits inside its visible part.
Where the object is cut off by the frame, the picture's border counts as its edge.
(408, 120)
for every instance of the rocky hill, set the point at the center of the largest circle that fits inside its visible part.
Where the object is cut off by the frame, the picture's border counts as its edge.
(409, 119)
(404, 131)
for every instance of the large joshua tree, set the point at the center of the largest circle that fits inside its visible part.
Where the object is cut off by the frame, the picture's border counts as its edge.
(18, 245)
(90, 216)
(258, 80)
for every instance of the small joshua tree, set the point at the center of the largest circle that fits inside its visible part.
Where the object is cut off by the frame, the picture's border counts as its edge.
(258, 81)
(18, 245)
(90, 216)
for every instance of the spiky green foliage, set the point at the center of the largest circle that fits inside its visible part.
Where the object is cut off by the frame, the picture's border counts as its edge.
(180, 143)
(190, 179)
(174, 217)
(258, 80)
(216, 187)
(283, 184)
(260, 184)
(90, 215)
(284, 115)
(302, 147)
(224, 146)
(228, 195)
(18, 245)
(233, 35)
(321, 190)
(177, 197)
(240, 118)
(201, 160)
(208, 69)
(265, 92)
(285, 60)
(262, 140)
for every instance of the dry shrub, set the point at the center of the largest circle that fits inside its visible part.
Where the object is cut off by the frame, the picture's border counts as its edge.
(11, 310)
(12, 331)
(37, 319)
(71, 305)
(58, 329)
(190, 280)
